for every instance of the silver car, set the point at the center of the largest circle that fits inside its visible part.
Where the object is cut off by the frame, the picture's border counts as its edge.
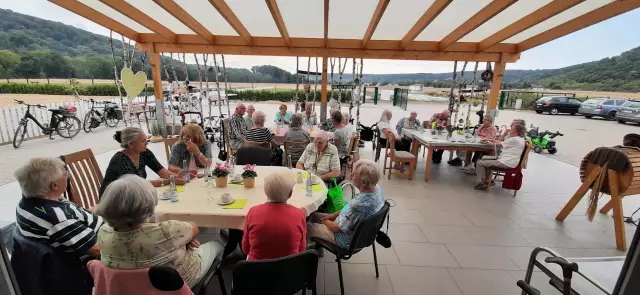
(600, 107)
(629, 112)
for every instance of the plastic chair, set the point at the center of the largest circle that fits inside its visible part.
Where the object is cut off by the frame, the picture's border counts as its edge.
(168, 144)
(155, 280)
(282, 276)
(515, 173)
(399, 157)
(364, 236)
(253, 155)
(295, 149)
(85, 178)
(255, 143)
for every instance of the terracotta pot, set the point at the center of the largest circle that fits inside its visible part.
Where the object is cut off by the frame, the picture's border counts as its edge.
(222, 181)
(249, 182)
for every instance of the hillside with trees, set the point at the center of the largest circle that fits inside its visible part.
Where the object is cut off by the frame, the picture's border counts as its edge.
(31, 47)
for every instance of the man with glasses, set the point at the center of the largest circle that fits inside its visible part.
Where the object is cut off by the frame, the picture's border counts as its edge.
(237, 127)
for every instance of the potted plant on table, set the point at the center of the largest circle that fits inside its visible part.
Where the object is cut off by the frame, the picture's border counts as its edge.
(249, 176)
(221, 173)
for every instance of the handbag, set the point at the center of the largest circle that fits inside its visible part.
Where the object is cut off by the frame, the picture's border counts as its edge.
(335, 198)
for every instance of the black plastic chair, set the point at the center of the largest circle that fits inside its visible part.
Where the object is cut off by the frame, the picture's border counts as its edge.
(200, 288)
(253, 155)
(364, 236)
(283, 276)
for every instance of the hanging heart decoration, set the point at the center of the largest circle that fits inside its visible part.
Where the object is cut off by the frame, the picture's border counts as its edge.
(133, 84)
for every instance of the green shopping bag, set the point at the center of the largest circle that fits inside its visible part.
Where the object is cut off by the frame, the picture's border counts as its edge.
(335, 199)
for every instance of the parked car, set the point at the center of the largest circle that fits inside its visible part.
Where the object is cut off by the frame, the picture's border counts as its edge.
(629, 112)
(557, 104)
(601, 107)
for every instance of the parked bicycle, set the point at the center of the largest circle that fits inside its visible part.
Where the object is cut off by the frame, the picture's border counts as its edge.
(111, 115)
(63, 121)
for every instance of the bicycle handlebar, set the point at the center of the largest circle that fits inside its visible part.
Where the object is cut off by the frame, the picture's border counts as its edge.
(30, 105)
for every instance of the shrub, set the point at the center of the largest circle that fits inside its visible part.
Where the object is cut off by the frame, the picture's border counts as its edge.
(63, 89)
(283, 95)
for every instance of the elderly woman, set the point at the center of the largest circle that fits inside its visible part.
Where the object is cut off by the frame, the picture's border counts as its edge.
(384, 126)
(321, 158)
(511, 152)
(44, 215)
(309, 117)
(296, 134)
(275, 220)
(339, 227)
(283, 117)
(134, 159)
(194, 145)
(486, 131)
(260, 134)
(440, 119)
(129, 241)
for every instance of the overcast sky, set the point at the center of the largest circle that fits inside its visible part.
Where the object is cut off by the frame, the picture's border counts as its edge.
(608, 38)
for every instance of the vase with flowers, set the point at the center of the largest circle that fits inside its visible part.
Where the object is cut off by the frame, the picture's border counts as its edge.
(249, 176)
(221, 173)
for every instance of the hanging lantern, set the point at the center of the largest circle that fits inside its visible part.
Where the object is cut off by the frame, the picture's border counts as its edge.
(307, 87)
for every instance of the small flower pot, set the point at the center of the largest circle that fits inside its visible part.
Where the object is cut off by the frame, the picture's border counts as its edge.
(222, 181)
(249, 182)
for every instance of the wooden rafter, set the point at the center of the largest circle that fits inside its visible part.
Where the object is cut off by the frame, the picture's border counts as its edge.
(133, 13)
(485, 14)
(528, 21)
(436, 8)
(326, 22)
(97, 17)
(328, 52)
(277, 17)
(375, 20)
(232, 19)
(184, 17)
(603, 13)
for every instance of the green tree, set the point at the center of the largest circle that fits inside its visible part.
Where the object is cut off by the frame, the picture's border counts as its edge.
(8, 63)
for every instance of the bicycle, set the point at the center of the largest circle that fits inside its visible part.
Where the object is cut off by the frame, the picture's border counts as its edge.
(62, 120)
(111, 115)
(213, 128)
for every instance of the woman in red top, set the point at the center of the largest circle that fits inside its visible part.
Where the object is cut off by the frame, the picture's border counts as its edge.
(275, 229)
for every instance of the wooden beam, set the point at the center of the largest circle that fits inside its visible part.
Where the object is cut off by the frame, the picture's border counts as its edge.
(436, 8)
(184, 17)
(496, 84)
(329, 52)
(528, 21)
(155, 61)
(232, 19)
(326, 23)
(97, 17)
(485, 14)
(323, 102)
(581, 22)
(133, 13)
(277, 17)
(375, 20)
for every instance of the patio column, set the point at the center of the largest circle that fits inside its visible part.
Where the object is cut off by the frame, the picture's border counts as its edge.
(496, 84)
(154, 59)
(323, 103)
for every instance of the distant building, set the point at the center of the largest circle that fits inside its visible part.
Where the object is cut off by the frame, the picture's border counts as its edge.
(416, 88)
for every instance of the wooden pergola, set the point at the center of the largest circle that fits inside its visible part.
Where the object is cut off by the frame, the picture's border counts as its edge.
(442, 30)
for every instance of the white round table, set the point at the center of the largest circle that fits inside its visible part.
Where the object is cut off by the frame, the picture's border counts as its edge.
(196, 205)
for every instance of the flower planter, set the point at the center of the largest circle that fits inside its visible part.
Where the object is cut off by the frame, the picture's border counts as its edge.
(222, 181)
(249, 182)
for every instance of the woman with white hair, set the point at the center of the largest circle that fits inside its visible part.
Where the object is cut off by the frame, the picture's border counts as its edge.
(486, 131)
(339, 227)
(321, 158)
(129, 241)
(260, 134)
(275, 229)
(44, 215)
(510, 155)
(134, 159)
(384, 125)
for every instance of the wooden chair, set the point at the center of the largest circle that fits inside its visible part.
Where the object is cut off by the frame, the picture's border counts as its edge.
(255, 143)
(352, 154)
(85, 178)
(297, 147)
(495, 172)
(397, 157)
(168, 144)
(377, 146)
(225, 132)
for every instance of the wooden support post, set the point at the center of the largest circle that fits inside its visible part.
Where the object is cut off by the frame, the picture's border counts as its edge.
(155, 60)
(618, 218)
(573, 202)
(496, 84)
(323, 104)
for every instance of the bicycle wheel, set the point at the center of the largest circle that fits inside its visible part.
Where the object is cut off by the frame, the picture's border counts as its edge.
(111, 121)
(18, 137)
(86, 125)
(68, 127)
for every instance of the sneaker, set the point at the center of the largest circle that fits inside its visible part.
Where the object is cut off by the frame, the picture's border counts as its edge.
(455, 162)
(469, 170)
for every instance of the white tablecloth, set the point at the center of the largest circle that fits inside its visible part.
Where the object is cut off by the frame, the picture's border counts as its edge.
(195, 205)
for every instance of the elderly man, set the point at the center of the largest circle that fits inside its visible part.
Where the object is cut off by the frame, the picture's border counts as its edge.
(440, 119)
(345, 122)
(294, 138)
(44, 215)
(410, 123)
(341, 136)
(309, 117)
(249, 117)
(237, 127)
(321, 158)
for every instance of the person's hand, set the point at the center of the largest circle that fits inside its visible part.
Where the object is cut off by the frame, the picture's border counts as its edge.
(326, 217)
(93, 208)
(193, 244)
(192, 147)
(180, 181)
(193, 174)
